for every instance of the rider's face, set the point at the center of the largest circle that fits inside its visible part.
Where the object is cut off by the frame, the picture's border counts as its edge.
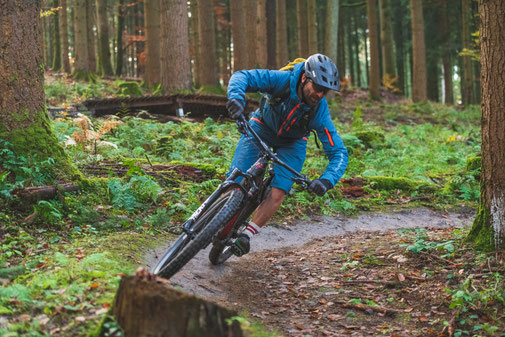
(312, 92)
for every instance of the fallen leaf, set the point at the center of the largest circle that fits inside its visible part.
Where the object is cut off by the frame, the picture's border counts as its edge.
(401, 277)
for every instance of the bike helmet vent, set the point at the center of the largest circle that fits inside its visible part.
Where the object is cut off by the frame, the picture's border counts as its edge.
(322, 71)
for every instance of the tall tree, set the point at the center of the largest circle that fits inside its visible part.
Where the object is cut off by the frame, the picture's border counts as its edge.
(467, 78)
(81, 65)
(303, 38)
(419, 81)
(62, 13)
(91, 23)
(121, 16)
(56, 41)
(238, 35)
(446, 53)
(399, 33)
(488, 229)
(271, 36)
(332, 22)
(208, 75)
(386, 38)
(373, 35)
(261, 34)
(175, 46)
(24, 122)
(312, 26)
(152, 22)
(251, 9)
(105, 66)
(282, 33)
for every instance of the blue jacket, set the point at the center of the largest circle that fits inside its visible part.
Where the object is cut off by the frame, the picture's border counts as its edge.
(286, 118)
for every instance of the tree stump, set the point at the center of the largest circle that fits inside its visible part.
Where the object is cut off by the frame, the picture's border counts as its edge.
(146, 305)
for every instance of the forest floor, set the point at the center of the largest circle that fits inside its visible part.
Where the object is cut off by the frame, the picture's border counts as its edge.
(404, 273)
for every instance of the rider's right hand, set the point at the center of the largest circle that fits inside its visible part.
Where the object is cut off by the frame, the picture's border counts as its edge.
(235, 108)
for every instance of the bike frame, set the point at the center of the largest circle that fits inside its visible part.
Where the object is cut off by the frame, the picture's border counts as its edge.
(252, 175)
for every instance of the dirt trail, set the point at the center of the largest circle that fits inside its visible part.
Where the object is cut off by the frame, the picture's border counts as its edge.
(199, 277)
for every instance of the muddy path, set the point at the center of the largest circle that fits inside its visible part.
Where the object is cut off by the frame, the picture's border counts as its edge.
(200, 278)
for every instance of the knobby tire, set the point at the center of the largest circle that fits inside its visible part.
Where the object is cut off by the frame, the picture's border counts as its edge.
(223, 214)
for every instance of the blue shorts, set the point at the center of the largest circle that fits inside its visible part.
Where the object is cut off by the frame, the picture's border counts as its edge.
(290, 151)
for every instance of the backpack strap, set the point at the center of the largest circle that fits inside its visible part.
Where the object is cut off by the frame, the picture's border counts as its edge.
(275, 99)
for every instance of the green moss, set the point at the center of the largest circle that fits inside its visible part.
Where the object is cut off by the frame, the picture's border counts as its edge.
(482, 234)
(37, 141)
(371, 138)
(473, 163)
(129, 88)
(84, 75)
(402, 183)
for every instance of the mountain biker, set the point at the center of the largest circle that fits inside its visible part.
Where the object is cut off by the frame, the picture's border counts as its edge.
(295, 105)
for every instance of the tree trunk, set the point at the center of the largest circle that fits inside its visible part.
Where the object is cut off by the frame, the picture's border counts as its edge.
(175, 46)
(399, 27)
(146, 306)
(271, 36)
(261, 35)
(251, 8)
(311, 26)
(56, 66)
(208, 75)
(121, 16)
(446, 53)
(341, 59)
(91, 21)
(81, 64)
(105, 65)
(374, 83)
(223, 41)
(466, 80)
(24, 122)
(332, 22)
(356, 47)
(282, 33)
(152, 22)
(488, 231)
(64, 35)
(303, 38)
(419, 81)
(350, 48)
(386, 38)
(238, 35)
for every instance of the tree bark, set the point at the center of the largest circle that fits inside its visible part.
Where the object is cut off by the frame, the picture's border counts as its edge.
(488, 231)
(386, 38)
(261, 35)
(56, 66)
(419, 80)
(238, 35)
(175, 46)
(355, 21)
(446, 53)
(64, 36)
(81, 64)
(373, 35)
(251, 9)
(399, 37)
(282, 33)
(311, 26)
(303, 38)
(152, 22)
(103, 39)
(91, 22)
(121, 16)
(24, 122)
(145, 305)
(208, 75)
(271, 36)
(466, 80)
(332, 22)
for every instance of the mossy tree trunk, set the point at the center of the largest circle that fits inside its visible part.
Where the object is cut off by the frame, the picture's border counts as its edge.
(488, 231)
(23, 119)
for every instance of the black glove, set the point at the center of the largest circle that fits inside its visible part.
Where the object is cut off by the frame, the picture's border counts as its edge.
(235, 108)
(319, 186)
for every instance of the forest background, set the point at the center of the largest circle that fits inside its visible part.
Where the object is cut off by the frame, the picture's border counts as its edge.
(407, 112)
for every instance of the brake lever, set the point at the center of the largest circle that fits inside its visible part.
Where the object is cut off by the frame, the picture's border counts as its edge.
(241, 124)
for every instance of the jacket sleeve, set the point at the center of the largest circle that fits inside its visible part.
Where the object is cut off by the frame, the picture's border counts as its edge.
(256, 80)
(333, 146)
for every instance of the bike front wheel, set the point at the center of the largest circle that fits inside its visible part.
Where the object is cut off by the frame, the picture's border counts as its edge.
(209, 224)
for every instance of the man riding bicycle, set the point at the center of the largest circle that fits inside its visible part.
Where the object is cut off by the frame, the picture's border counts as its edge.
(295, 104)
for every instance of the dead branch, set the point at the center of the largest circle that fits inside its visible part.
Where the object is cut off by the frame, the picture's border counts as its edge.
(365, 307)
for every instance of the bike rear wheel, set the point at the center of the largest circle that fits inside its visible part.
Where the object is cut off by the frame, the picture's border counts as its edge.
(206, 227)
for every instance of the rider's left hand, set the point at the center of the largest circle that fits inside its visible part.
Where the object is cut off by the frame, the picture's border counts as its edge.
(319, 186)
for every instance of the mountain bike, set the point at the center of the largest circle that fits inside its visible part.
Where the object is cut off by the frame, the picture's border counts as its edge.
(223, 216)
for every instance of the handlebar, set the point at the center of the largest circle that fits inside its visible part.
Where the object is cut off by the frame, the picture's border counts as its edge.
(300, 179)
